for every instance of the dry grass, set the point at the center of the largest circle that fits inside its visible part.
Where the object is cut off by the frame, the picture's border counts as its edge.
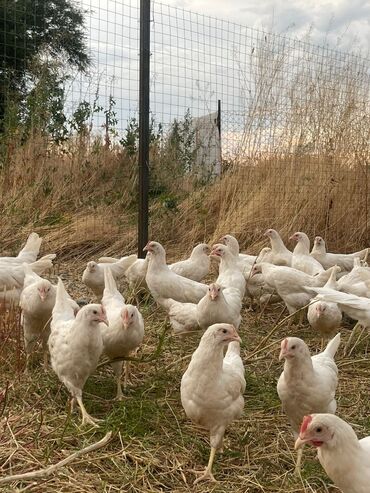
(154, 444)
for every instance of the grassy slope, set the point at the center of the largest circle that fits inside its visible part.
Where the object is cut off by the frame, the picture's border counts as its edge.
(154, 443)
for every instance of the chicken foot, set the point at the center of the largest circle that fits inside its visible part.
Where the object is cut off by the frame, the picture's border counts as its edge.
(86, 418)
(206, 475)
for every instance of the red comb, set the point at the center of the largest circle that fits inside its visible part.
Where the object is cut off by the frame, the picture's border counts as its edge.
(284, 344)
(306, 421)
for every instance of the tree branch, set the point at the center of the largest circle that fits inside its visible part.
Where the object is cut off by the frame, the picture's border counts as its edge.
(41, 473)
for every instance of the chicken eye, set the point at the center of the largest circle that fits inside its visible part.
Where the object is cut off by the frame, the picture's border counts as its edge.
(95, 312)
(293, 347)
(319, 429)
(224, 331)
(132, 315)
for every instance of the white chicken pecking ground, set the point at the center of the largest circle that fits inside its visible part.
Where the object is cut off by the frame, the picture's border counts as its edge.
(197, 266)
(345, 458)
(163, 283)
(212, 387)
(307, 384)
(125, 330)
(75, 345)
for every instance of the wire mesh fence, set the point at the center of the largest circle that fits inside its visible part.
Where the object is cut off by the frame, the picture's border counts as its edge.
(248, 129)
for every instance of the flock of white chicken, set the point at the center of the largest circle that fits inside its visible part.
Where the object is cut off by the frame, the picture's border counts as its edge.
(212, 387)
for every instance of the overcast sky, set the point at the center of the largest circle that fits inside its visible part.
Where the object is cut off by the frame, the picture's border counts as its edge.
(346, 22)
(196, 60)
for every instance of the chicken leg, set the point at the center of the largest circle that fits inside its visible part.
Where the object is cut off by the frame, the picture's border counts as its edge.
(297, 469)
(86, 418)
(206, 475)
(117, 369)
(350, 339)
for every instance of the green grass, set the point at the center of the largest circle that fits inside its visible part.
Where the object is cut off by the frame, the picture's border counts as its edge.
(154, 444)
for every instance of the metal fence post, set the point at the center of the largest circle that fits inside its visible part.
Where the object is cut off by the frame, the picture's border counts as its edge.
(144, 131)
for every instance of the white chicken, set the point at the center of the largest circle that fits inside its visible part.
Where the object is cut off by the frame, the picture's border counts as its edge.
(163, 283)
(357, 281)
(308, 384)
(219, 305)
(343, 260)
(28, 254)
(135, 274)
(196, 267)
(212, 386)
(256, 288)
(125, 331)
(301, 258)
(93, 275)
(345, 458)
(325, 316)
(279, 255)
(290, 283)
(75, 345)
(245, 260)
(356, 307)
(37, 302)
(12, 278)
(230, 275)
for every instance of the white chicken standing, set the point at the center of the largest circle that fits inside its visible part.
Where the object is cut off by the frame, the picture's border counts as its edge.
(196, 267)
(37, 302)
(345, 458)
(301, 258)
(230, 275)
(307, 384)
(212, 386)
(217, 306)
(125, 331)
(244, 259)
(75, 345)
(93, 275)
(343, 260)
(279, 255)
(325, 316)
(163, 283)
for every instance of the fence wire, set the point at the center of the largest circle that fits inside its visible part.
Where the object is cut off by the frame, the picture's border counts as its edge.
(276, 126)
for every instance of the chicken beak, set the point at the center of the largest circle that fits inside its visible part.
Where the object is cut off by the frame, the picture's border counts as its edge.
(235, 336)
(43, 296)
(126, 319)
(213, 294)
(283, 354)
(146, 248)
(300, 442)
(103, 319)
